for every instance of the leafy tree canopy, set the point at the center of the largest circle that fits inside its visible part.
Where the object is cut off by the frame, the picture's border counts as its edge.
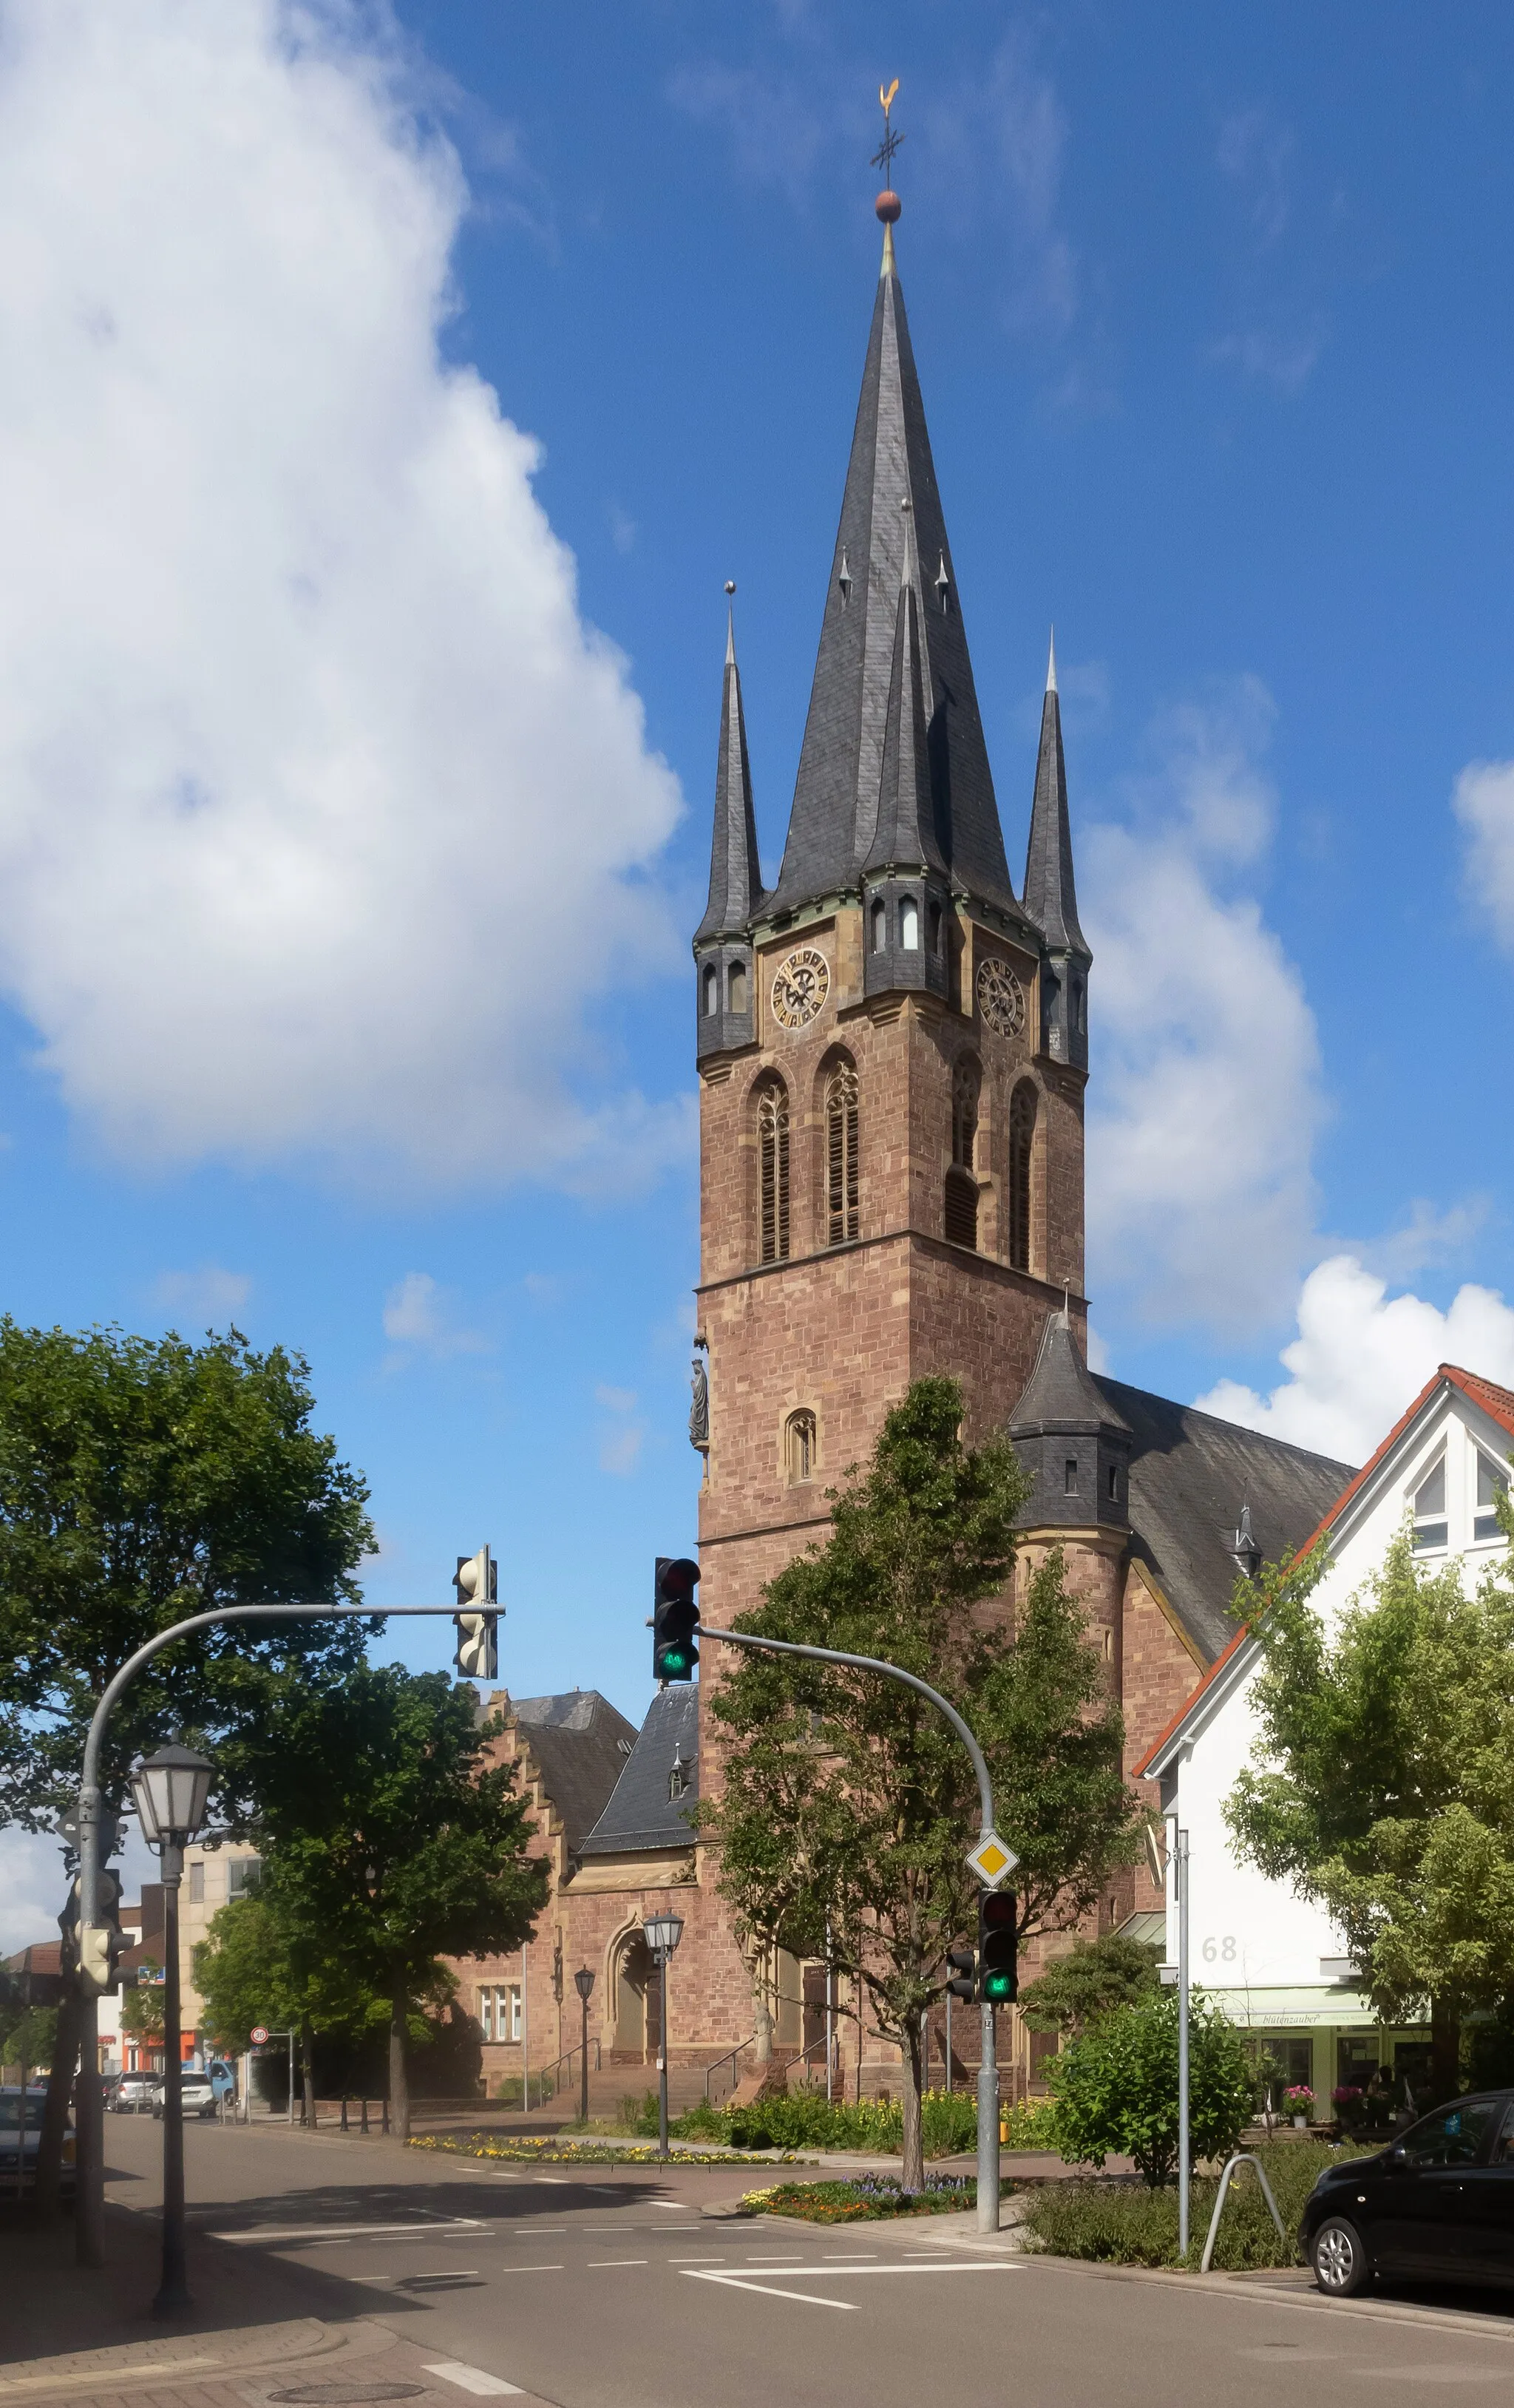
(846, 1803)
(1115, 2086)
(1095, 1979)
(1383, 1779)
(142, 1481)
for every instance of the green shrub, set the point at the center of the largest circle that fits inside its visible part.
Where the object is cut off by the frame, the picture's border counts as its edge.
(639, 2116)
(807, 2120)
(1032, 2126)
(1123, 2225)
(864, 2200)
(1115, 2087)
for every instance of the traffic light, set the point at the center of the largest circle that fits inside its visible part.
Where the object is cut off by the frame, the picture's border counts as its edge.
(674, 1619)
(997, 1973)
(94, 1952)
(477, 1581)
(964, 1964)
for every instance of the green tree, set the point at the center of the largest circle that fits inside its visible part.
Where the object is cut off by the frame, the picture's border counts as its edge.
(1383, 1781)
(845, 1802)
(389, 1841)
(1095, 1977)
(1115, 2087)
(26, 2036)
(142, 1481)
(142, 2007)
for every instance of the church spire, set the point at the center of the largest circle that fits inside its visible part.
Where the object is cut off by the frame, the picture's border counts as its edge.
(834, 822)
(736, 881)
(1050, 897)
(905, 837)
(723, 944)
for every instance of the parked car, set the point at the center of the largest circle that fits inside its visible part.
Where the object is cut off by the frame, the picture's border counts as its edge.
(1439, 2203)
(196, 2094)
(18, 2145)
(223, 2081)
(132, 2094)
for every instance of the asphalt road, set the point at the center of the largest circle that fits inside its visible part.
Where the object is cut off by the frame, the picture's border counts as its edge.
(609, 2290)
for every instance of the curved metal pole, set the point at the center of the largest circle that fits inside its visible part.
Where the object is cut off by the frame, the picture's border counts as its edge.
(988, 2061)
(890, 1672)
(88, 2213)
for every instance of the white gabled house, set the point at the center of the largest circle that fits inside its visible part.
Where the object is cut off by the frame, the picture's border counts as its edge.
(1273, 1960)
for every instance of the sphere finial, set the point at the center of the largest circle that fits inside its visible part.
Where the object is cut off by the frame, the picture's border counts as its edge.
(730, 585)
(889, 208)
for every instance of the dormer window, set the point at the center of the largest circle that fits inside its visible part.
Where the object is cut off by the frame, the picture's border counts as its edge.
(712, 990)
(909, 924)
(1430, 1526)
(677, 1779)
(880, 927)
(1492, 1483)
(1069, 1476)
(736, 992)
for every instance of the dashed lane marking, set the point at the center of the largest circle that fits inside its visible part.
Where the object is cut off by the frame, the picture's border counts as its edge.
(432, 2228)
(597, 2264)
(532, 2270)
(470, 2378)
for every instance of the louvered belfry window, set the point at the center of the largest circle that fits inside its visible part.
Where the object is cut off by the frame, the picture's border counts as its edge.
(961, 1185)
(1022, 1139)
(842, 1220)
(773, 1176)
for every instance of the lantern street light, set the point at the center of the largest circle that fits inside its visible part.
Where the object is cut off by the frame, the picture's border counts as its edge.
(583, 1981)
(661, 1933)
(171, 1790)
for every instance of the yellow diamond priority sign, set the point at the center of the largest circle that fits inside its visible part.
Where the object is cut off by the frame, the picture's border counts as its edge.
(990, 1860)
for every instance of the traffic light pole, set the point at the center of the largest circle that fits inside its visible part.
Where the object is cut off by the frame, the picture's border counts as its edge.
(988, 2076)
(89, 2212)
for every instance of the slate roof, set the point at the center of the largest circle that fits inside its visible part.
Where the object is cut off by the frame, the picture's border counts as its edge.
(833, 819)
(575, 1741)
(1050, 897)
(1190, 1475)
(736, 878)
(1061, 1393)
(641, 1815)
(906, 836)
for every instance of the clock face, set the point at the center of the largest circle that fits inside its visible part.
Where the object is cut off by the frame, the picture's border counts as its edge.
(800, 987)
(1001, 998)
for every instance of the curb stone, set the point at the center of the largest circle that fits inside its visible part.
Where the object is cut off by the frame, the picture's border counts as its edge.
(204, 2356)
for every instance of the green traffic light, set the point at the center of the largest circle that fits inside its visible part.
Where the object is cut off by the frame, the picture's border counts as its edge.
(675, 1659)
(998, 1987)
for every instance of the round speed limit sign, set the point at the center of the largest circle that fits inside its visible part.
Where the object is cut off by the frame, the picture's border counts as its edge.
(260, 2033)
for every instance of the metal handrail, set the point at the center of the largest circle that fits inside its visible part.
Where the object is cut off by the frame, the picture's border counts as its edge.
(540, 2072)
(1241, 2158)
(730, 2058)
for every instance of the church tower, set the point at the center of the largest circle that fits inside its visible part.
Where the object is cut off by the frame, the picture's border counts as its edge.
(892, 1047)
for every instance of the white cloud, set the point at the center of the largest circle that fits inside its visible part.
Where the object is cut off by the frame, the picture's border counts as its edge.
(1483, 801)
(302, 738)
(1361, 1357)
(419, 1315)
(1206, 1099)
(208, 1294)
(995, 146)
(621, 1444)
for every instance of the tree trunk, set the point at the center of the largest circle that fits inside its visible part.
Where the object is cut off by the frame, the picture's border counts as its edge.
(399, 2077)
(912, 2173)
(1445, 2052)
(762, 2012)
(55, 2113)
(307, 2073)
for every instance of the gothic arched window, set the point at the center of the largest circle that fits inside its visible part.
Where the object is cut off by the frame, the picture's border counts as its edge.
(880, 926)
(960, 1184)
(1021, 1142)
(773, 1173)
(841, 1179)
(799, 1446)
(738, 986)
(712, 989)
(909, 924)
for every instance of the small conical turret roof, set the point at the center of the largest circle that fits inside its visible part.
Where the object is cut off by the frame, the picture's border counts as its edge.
(906, 836)
(736, 878)
(834, 820)
(1061, 1393)
(1050, 897)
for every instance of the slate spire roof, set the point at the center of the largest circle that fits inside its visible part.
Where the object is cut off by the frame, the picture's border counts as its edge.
(834, 823)
(905, 835)
(736, 878)
(1050, 897)
(1061, 1393)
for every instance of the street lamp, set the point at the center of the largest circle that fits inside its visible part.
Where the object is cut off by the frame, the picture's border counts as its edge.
(583, 1981)
(171, 1790)
(661, 1933)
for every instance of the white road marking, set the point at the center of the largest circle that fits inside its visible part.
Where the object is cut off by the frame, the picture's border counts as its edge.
(559, 2182)
(696, 2261)
(532, 2270)
(268, 2232)
(743, 2283)
(470, 2378)
(673, 2206)
(814, 2300)
(594, 2263)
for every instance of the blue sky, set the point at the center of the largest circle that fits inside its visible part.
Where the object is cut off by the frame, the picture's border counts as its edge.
(353, 803)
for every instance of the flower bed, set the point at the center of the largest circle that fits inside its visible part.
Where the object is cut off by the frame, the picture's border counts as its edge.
(552, 2151)
(863, 2200)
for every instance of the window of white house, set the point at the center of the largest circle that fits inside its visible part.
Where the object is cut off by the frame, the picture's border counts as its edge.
(499, 2013)
(1492, 1483)
(243, 1873)
(1430, 1530)
(197, 1873)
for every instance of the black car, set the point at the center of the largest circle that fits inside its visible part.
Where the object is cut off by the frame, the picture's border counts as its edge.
(1438, 2204)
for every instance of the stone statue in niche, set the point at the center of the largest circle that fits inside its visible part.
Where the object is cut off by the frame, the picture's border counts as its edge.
(699, 1407)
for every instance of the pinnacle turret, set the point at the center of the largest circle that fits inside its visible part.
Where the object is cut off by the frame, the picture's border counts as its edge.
(1051, 894)
(722, 947)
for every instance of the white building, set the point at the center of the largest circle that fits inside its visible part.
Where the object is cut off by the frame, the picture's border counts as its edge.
(1272, 1961)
